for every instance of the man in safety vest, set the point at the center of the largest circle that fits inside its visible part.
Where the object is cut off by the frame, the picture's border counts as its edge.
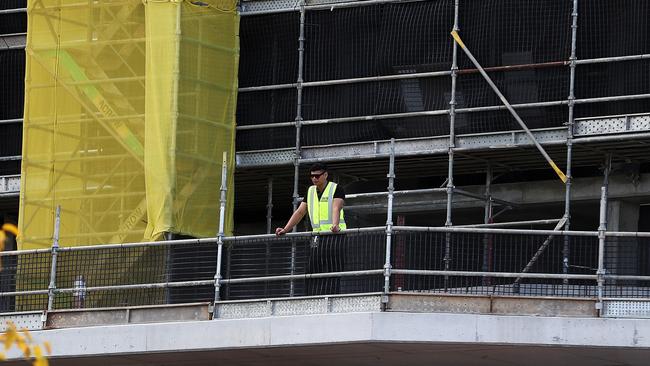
(324, 204)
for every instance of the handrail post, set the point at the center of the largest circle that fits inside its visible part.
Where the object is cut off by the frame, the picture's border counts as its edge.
(298, 121)
(452, 142)
(55, 248)
(487, 219)
(389, 221)
(222, 221)
(566, 249)
(602, 228)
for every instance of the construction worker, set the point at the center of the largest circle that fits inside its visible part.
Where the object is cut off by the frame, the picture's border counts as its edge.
(324, 204)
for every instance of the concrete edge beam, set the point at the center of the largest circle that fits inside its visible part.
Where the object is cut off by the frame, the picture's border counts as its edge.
(544, 306)
(502, 305)
(435, 303)
(77, 318)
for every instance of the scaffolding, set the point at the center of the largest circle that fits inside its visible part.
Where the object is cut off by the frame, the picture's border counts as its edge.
(356, 88)
(126, 119)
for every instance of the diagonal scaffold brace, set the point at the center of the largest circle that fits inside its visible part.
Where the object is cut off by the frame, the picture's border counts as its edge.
(557, 170)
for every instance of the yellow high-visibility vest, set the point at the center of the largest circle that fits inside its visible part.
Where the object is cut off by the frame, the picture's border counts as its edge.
(320, 211)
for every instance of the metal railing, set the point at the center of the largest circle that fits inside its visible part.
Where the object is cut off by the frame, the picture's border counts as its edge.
(479, 262)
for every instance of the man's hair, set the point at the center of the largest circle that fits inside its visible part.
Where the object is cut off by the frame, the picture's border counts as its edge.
(317, 167)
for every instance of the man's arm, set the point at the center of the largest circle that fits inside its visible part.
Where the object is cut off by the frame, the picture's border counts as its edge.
(337, 206)
(294, 220)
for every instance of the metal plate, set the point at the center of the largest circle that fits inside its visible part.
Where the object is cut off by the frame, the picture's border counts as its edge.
(321, 2)
(509, 139)
(355, 304)
(10, 184)
(273, 5)
(626, 309)
(300, 307)
(612, 125)
(240, 310)
(248, 7)
(264, 158)
(13, 41)
(30, 321)
(297, 306)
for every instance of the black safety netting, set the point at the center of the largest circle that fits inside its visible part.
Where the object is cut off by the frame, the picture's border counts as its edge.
(378, 40)
(282, 256)
(469, 252)
(610, 108)
(502, 120)
(269, 52)
(613, 28)
(540, 29)
(11, 138)
(527, 85)
(10, 167)
(627, 257)
(375, 130)
(27, 271)
(12, 81)
(266, 138)
(268, 106)
(11, 23)
(12, 94)
(13, 4)
(612, 79)
(374, 98)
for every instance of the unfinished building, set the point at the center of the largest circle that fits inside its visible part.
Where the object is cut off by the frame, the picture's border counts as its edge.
(487, 148)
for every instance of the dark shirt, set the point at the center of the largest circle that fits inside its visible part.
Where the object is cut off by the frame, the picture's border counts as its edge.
(339, 193)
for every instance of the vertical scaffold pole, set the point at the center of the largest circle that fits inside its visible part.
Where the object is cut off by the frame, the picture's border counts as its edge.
(602, 228)
(452, 144)
(55, 248)
(297, 154)
(487, 219)
(389, 220)
(569, 141)
(487, 211)
(452, 122)
(222, 222)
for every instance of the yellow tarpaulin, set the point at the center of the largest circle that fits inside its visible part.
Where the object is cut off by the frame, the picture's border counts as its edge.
(129, 106)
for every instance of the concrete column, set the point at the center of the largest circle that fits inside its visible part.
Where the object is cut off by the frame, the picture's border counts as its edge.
(621, 254)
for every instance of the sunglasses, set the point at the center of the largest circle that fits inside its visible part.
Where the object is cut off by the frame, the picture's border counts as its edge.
(317, 175)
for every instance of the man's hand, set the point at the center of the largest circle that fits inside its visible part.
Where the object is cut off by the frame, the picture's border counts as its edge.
(280, 231)
(335, 228)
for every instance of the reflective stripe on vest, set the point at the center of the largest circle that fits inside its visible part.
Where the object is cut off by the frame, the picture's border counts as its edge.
(320, 210)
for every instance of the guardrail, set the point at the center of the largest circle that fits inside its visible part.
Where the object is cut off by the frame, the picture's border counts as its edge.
(418, 259)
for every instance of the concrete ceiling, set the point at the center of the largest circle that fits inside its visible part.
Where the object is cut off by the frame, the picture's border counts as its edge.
(380, 354)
